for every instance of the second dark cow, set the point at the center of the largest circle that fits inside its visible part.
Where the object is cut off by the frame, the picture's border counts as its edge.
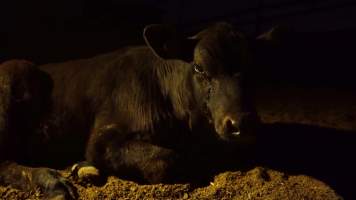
(138, 110)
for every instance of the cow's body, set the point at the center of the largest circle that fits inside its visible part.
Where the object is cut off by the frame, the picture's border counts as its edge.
(138, 110)
(129, 81)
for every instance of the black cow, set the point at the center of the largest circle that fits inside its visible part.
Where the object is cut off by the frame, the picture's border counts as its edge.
(133, 112)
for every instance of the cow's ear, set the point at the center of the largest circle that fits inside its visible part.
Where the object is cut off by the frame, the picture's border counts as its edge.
(275, 35)
(162, 40)
(166, 43)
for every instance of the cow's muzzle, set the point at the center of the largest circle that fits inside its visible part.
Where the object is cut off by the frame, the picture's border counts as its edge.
(234, 127)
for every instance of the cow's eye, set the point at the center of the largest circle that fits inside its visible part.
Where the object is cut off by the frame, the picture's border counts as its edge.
(198, 69)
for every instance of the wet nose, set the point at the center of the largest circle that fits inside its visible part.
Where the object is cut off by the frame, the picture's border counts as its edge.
(240, 125)
(231, 126)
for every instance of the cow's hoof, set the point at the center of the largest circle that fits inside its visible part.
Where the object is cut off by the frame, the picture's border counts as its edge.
(54, 185)
(84, 172)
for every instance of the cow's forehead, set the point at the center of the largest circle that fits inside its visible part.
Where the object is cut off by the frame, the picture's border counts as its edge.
(220, 51)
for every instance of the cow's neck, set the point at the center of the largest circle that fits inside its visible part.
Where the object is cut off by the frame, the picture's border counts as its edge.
(175, 82)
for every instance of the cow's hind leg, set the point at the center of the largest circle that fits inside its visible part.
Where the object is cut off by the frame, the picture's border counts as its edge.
(48, 180)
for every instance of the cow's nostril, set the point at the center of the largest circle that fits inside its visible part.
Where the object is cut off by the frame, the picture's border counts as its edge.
(231, 127)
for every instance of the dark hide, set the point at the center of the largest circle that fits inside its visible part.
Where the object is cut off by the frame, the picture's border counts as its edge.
(25, 93)
(140, 110)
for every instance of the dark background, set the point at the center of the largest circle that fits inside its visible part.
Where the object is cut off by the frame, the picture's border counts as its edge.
(320, 52)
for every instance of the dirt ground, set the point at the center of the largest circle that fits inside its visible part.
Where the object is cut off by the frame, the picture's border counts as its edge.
(326, 108)
(258, 183)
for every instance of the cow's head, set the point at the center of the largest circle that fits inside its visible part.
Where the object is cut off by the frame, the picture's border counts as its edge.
(216, 57)
(30, 88)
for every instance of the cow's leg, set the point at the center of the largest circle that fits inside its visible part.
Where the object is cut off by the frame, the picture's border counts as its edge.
(111, 152)
(142, 161)
(48, 180)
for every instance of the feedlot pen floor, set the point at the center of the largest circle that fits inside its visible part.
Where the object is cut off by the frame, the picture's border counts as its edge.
(308, 148)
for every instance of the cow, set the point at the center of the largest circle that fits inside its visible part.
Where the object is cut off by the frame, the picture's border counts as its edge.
(24, 92)
(134, 112)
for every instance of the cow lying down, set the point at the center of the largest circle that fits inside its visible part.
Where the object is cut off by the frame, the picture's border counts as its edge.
(135, 113)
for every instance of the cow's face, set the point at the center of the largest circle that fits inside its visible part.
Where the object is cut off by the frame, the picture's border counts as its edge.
(220, 56)
(217, 56)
